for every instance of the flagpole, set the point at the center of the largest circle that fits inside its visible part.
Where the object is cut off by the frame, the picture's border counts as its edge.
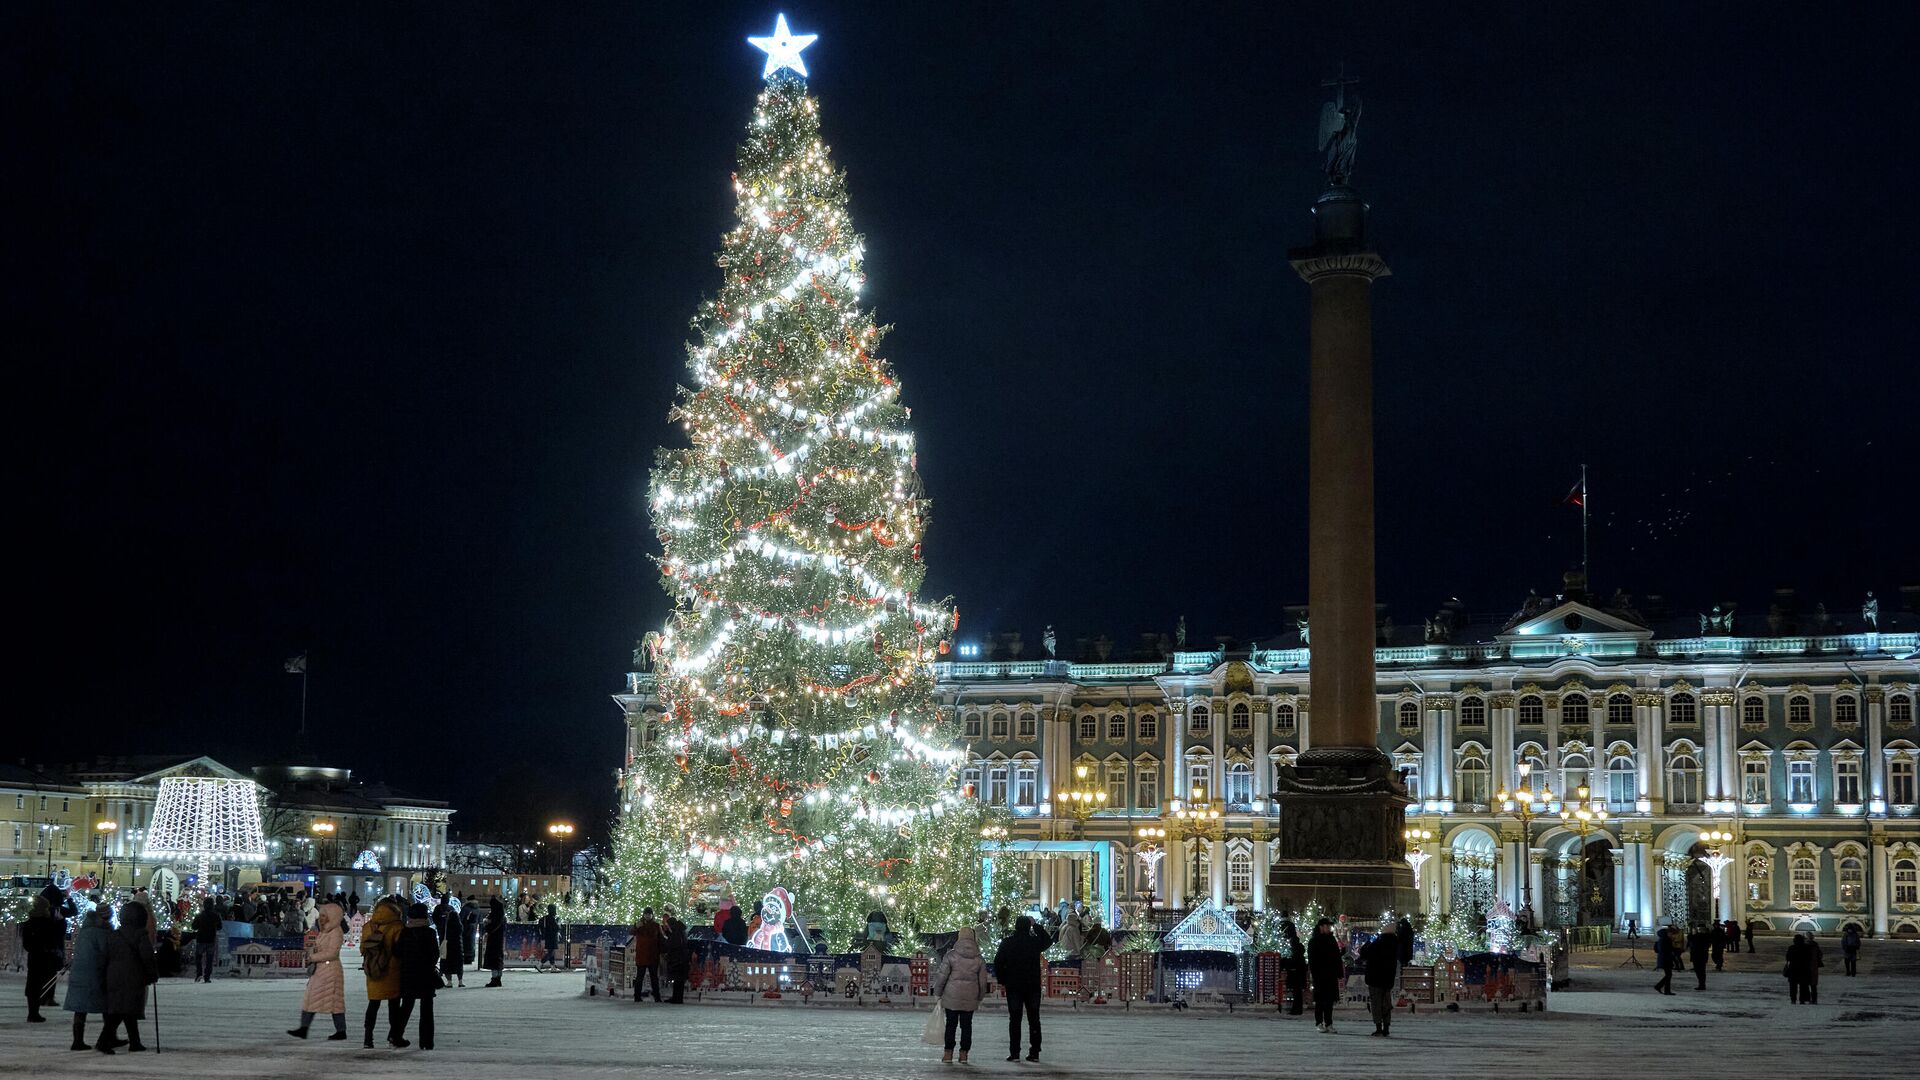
(303, 698)
(1586, 571)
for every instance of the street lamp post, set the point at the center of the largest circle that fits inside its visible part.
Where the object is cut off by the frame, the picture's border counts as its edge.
(47, 829)
(1199, 820)
(106, 829)
(1523, 804)
(1585, 818)
(1417, 854)
(1716, 859)
(1152, 848)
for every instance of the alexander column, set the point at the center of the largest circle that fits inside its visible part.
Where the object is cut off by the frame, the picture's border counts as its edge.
(1341, 807)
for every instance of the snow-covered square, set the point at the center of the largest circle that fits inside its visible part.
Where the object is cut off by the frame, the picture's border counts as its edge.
(545, 1025)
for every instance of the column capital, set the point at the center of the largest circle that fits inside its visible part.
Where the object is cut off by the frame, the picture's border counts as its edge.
(1313, 264)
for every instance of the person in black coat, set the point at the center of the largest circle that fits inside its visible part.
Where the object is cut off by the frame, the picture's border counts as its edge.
(1799, 963)
(1296, 970)
(1717, 934)
(470, 929)
(1699, 947)
(418, 955)
(1017, 967)
(446, 922)
(734, 930)
(130, 969)
(550, 935)
(1666, 957)
(44, 941)
(493, 956)
(206, 940)
(1382, 959)
(677, 954)
(1325, 966)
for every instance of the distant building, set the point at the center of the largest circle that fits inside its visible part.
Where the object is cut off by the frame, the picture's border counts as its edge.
(43, 822)
(1793, 730)
(319, 823)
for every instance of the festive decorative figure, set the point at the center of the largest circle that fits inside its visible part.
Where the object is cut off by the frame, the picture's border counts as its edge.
(776, 912)
(206, 819)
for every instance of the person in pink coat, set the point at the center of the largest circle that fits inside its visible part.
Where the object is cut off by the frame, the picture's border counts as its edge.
(327, 986)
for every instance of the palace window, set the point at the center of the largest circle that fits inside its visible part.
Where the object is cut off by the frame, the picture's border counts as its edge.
(1199, 781)
(1846, 781)
(1240, 873)
(1622, 783)
(1286, 720)
(1805, 881)
(1800, 712)
(1029, 726)
(1026, 784)
(970, 724)
(1754, 781)
(1149, 725)
(1116, 785)
(1240, 720)
(1199, 722)
(1532, 711)
(1753, 713)
(1089, 727)
(997, 785)
(1683, 710)
(1473, 781)
(1800, 781)
(1117, 727)
(1906, 882)
(970, 781)
(1146, 786)
(1574, 711)
(1846, 712)
(1900, 781)
(1574, 768)
(1683, 779)
(998, 727)
(1900, 711)
(1239, 783)
(1620, 710)
(1409, 717)
(1851, 875)
(1473, 713)
(1412, 771)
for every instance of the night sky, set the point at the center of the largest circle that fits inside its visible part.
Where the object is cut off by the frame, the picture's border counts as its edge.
(353, 331)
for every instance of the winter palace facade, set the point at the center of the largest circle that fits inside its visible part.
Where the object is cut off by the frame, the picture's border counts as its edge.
(1782, 765)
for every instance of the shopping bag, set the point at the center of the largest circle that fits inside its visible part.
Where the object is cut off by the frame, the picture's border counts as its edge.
(935, 1033)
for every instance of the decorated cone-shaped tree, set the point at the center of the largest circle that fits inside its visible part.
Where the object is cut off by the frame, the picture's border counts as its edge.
(800, 745)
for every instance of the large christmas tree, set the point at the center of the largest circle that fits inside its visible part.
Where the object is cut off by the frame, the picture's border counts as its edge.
(800, 745)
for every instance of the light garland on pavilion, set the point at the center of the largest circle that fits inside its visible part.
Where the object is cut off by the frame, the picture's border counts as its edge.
(206, 819)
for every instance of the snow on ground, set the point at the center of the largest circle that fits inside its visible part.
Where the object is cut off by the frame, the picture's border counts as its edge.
(543, 1025)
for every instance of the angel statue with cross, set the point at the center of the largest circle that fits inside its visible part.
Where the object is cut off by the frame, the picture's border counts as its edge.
(1339, 131)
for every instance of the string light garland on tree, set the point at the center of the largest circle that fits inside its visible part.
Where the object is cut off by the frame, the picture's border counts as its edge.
(206, 819)
(799, 743)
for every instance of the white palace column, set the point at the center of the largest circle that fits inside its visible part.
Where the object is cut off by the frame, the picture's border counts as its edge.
(1882, 883)
(1634, 899)
(1507, 868)
(1619, 882)
(1876, 757)
(1440, 870)
(1536, 863)
(1552, 704)
(1217, 873)
(1653, 753)
(1502, 720)
(1260, 857)
(1722, 776)
(1440, 717)
(1173, 873)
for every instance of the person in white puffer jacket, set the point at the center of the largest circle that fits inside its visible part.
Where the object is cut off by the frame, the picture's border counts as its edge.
(960, 983)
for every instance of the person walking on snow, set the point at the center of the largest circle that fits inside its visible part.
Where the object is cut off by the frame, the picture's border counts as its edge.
(1699, 945)
(417, 955)
(379, 958)
(1296, 971)
(1017, 965)
(676, 956)
(1325, 967)
(129, 969)
(1810, 991)
(327, 986)
(206, 941)
(959, 984)
(1382, 959)
(550, 936)
(452, 950)
(1849, 948)
(1798, 962)
(1717, 934)
(1666, 957)
(44, 942)
(646, 956)
(493, 956)
(86, 982)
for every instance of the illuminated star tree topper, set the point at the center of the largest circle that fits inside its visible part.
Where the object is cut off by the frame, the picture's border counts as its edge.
(783, 48)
